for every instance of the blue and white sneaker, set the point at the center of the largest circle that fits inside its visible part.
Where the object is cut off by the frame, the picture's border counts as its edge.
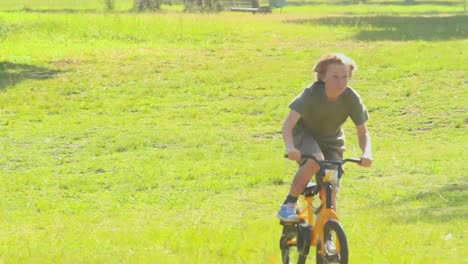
(287, 213)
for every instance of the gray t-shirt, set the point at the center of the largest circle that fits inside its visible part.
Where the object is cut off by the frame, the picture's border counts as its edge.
(323, 118)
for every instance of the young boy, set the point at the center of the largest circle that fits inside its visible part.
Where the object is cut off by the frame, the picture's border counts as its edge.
(313, 125)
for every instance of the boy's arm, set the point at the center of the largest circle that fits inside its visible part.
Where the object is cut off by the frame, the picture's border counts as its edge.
(288, 125)
(365, 144)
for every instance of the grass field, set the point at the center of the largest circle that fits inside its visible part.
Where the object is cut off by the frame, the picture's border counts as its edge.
(155, 138)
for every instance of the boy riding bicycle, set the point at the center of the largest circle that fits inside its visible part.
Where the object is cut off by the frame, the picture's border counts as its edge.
(313, 125)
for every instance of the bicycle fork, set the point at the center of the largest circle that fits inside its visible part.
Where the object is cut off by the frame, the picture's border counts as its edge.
(325, 212)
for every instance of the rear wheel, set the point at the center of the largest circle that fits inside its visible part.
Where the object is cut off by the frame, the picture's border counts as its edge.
(295, 243)
(304, 238)
(290, 255)
(335, 243)
(287, 241)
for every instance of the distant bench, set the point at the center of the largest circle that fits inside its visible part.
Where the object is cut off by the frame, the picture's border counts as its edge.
(260, 9)
(253, 5)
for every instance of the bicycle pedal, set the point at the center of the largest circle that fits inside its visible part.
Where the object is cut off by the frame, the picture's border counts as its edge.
(286, 223)
(283, 223)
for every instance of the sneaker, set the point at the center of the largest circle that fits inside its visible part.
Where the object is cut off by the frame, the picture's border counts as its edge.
(287, 213)
(330, 247)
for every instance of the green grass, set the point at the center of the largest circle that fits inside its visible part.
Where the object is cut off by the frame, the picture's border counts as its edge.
(155, 138)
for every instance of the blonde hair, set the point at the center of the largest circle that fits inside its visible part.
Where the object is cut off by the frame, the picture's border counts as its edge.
(326, 60)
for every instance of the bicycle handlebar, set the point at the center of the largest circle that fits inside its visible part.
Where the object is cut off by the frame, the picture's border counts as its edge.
(322, 163)
(329, 162)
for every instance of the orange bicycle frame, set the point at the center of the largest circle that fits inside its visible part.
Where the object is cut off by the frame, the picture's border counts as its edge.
(326, 213)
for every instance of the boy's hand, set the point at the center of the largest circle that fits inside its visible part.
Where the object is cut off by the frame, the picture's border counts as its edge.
(365, 162)
(294, 154)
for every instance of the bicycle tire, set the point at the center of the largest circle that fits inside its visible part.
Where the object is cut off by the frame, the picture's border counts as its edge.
(289, 233)
(286, 255)
(285, 259)
(296, 252)
(342, 255)
(302, 259)
(304, 238)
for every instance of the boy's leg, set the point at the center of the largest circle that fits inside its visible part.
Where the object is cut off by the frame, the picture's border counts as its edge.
(302, 177)
(308, 146)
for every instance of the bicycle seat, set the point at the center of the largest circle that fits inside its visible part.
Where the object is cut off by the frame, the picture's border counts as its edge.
(311, 189)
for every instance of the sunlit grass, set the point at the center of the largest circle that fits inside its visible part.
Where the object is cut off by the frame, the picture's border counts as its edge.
(141, 137)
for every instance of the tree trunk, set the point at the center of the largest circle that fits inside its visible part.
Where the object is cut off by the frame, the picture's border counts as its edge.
(148, 4)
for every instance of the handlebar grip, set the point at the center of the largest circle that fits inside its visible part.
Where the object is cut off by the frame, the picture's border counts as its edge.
(355, 160)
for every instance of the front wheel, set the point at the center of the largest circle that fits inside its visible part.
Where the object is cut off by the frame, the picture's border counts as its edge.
(335, 243)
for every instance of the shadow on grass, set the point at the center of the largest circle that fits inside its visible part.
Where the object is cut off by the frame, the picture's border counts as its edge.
(398, 28)
(395, 3)
(415, 3)
(62, 10)
(69, 10)
(13, 73)
(447, 202)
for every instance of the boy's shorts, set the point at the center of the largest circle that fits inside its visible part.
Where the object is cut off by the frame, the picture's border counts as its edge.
(307, 145)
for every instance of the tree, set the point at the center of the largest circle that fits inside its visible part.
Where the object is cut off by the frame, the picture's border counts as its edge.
(202, 6)
(110, 5)
(147, 5)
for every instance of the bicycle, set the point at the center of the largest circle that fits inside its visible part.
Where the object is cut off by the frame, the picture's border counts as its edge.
(323, 231)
